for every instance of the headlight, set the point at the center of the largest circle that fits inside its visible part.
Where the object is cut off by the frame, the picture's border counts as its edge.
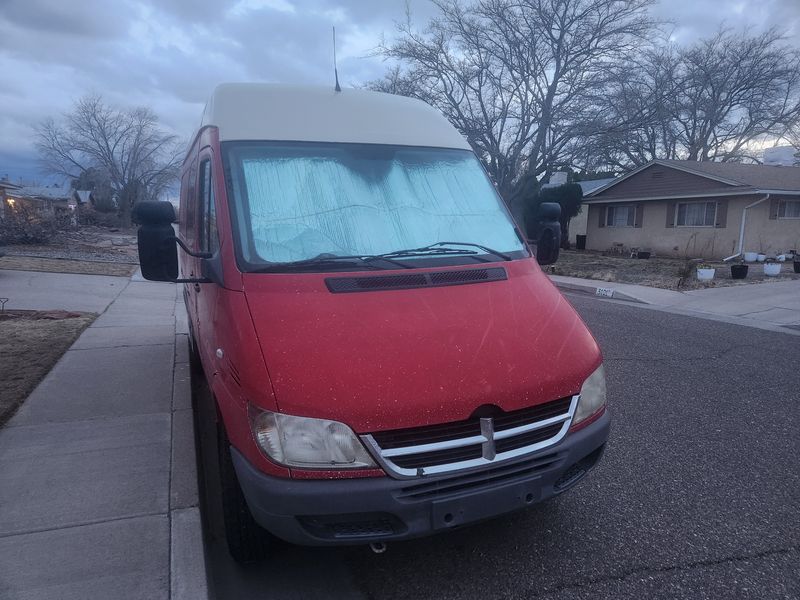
(593, 395)
(308, 443)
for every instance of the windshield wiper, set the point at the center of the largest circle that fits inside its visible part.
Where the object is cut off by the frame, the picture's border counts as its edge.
(332, 259)
(486, 249)
(438, 248)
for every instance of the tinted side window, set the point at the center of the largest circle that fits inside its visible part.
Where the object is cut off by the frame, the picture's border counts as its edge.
(209, 240)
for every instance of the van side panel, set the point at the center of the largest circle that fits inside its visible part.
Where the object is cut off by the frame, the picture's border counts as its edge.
(239, 375)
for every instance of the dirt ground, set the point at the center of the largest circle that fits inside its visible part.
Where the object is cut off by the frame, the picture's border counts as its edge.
(30, 344)
(656, 272)
(88, 250)
(63, 265)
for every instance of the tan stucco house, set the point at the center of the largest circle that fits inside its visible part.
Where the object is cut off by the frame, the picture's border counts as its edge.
(695, 209)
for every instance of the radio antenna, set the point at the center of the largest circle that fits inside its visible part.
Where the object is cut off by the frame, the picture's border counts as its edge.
(335, 70)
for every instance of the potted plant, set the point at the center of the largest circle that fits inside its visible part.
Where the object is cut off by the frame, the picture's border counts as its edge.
(705, 272)
(739, 270)
(761, 257)
(772, 268)
(796, 261)
(750, 256)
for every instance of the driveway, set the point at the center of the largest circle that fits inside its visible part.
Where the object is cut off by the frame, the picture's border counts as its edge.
(30, 290)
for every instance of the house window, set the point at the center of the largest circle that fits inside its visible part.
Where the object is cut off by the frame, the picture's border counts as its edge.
(789, 209)
(696, 214)
(620, 216)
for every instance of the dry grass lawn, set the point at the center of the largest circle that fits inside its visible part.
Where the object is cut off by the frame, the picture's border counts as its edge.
(656, 272)
(60, 265)
(29, 347)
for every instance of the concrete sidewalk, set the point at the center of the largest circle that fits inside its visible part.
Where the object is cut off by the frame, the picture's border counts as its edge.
(99, 491)
(34, 290)
(772, 306)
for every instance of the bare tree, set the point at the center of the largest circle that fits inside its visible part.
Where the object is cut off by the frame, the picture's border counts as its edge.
(515, 76)
(736, 89)
(636, 114)
(140, 158)
(713, 100)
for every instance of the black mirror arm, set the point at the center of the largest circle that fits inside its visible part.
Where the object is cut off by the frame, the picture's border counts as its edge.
(187, 250)
(190, 253)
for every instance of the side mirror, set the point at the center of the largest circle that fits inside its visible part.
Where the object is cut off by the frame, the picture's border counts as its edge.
(548, 232)
(158, 250)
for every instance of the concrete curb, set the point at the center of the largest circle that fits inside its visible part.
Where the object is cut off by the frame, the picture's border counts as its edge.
(679, 303)
(607, 291)
(188, 573)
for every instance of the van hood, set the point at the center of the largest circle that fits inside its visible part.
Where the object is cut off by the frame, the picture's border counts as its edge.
(408, 357)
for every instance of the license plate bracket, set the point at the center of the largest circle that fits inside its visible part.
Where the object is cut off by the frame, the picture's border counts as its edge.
(484, 505)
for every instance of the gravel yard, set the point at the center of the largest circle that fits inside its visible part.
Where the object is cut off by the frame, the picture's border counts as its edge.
(656, 272)
(89, 250)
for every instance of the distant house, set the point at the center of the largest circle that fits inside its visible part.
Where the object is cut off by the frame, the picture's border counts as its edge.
(675, 207)
(8, 191)
(53, 200)
(83, 197)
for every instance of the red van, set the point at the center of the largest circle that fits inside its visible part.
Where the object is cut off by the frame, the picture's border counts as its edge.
(386, 356)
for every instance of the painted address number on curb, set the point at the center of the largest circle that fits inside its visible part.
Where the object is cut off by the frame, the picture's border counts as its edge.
(606, 292)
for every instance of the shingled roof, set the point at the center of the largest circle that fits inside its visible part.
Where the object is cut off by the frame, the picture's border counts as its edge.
(755, 176)
(734, 178)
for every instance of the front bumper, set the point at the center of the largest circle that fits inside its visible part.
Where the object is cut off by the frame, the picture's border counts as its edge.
(363, 510)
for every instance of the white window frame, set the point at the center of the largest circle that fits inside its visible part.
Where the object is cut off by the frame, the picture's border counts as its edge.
(705, 202)
(630, 207)
(782, 208)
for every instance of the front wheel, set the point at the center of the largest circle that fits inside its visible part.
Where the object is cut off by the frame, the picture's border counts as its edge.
(247, 540)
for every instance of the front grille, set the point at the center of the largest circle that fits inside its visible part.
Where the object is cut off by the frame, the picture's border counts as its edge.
(527, 439)
(424, 489)
(439, 457)
(473, 443)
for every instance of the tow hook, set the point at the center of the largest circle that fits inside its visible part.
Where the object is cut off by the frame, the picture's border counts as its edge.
(378, 547)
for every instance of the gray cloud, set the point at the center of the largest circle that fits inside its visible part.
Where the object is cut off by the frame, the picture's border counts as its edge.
(169, 54)
(82, 18)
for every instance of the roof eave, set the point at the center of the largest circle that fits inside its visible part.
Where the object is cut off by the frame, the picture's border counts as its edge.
(738, 192)
(667, 164)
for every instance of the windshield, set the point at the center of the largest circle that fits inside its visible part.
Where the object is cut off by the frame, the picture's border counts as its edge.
(297, 201)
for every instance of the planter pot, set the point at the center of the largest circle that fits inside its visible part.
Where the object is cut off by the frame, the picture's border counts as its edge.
(739, 271)
(772, 269)
(762, 257)
(796, 266)
(750, 256)
(642, 255)
(705, 274)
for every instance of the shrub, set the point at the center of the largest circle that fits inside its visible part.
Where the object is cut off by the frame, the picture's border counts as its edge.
(88, 215)
(24, 225)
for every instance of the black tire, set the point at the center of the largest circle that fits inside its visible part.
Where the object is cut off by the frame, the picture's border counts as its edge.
(195, 365)
(247, 540)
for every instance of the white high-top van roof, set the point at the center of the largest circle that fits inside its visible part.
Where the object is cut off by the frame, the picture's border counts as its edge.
(265, 111)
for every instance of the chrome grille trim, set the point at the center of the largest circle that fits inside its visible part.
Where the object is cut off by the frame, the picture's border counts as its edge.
(487, 439)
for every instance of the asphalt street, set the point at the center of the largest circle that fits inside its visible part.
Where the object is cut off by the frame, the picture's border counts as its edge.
(697, 496)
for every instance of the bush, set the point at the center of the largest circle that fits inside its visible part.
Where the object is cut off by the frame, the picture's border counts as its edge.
(24, 225)
(90, 216)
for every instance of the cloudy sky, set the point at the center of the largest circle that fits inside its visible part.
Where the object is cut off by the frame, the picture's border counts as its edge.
(169, 54)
